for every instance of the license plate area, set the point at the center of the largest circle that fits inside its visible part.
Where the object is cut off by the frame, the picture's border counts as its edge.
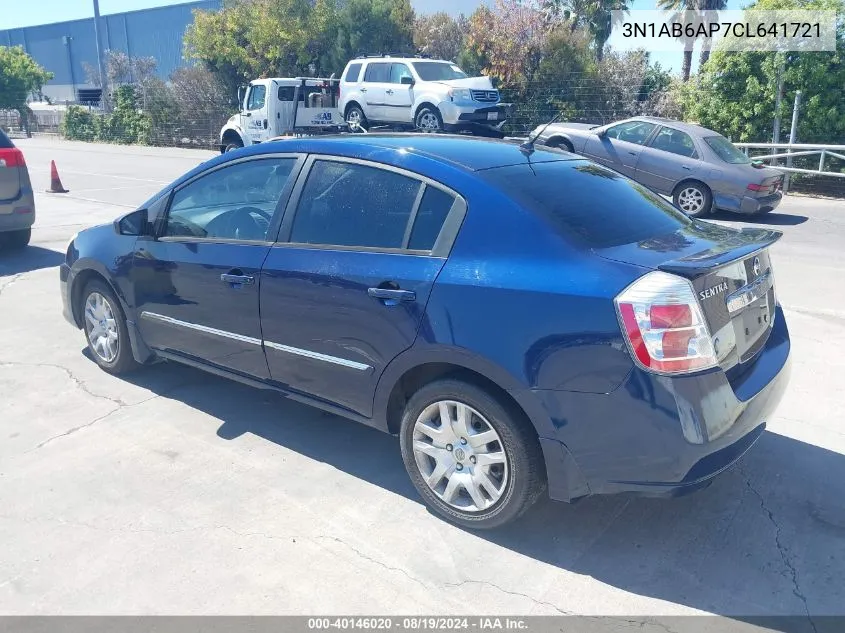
(492, 116)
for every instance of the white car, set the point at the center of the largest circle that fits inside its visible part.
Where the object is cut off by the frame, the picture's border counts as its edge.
(430, 95)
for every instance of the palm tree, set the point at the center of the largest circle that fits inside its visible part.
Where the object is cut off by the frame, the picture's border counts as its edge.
(710, 5)
(595, 15)
(676, 6)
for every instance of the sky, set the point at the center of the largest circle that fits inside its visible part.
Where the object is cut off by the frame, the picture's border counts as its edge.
(17, 13)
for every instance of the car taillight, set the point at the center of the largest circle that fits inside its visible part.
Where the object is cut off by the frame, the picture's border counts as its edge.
(11, 157)
(754, 187)
(664, 326)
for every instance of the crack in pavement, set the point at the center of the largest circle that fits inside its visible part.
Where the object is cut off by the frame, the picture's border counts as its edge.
(510, 593)
(11, 281)
(373, 560)
(782, 549)
(81, 384)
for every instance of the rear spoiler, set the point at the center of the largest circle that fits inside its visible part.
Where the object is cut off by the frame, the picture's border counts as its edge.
(746, 242)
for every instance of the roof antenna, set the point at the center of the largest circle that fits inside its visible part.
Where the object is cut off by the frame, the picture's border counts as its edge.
(528, 146)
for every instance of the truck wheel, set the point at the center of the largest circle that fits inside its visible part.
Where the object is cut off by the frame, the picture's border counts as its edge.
(231, 145)
(428, 119)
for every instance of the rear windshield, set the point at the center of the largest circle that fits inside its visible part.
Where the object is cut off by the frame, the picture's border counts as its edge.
(5, 141)
(588, 203)
(725, 150)
(438, 71)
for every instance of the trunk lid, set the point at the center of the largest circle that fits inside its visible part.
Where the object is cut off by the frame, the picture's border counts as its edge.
(731, 274)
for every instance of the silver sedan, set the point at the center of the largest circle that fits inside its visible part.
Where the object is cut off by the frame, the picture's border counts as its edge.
(699, 168)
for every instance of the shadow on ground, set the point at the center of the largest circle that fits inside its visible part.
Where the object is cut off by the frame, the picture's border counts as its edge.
(768, 219)
(14, 262)
(767, 538)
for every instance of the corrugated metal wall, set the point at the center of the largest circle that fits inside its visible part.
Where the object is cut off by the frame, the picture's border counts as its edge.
(63, 47)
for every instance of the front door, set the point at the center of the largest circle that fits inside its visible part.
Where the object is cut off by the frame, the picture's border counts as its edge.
(256, 117)
(376, 81)
(620, 146)
(347, 293)
(197, 283)
(399, 96)
(670, 158)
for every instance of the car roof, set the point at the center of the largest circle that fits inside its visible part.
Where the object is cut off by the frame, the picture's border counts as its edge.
(395, 58)
(689, 128)
(467, 152)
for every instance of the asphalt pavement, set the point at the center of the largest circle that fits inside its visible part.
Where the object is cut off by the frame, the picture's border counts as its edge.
(172, 491)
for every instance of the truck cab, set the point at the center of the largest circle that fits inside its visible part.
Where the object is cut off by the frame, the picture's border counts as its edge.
(282, 106)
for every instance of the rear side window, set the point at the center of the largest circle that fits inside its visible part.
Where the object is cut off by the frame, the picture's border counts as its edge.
(588, 203)
(353, 72)
(5, 141)
(431, 215)
(377, 73)
(347, 204)
(675, 142)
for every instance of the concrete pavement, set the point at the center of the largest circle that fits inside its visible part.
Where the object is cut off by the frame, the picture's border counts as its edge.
(176, 492)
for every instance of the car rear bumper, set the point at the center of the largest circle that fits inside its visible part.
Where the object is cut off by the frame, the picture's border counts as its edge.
(748, 204)
(17, 215)
(660, 435)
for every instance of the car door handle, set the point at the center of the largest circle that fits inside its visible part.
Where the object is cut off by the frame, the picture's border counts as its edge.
(687, 167)
(237, 279)
(391, 294)
(389, 91)
(363, 90)
(633, 153)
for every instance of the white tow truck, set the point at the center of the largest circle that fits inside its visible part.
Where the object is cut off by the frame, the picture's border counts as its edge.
(281, 107)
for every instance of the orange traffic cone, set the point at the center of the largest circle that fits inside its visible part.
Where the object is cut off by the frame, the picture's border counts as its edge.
(55, 182)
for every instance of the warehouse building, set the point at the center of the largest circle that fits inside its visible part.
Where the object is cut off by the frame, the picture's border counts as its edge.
(64, 48)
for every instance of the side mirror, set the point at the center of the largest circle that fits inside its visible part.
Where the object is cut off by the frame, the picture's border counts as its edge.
(407, 81)
(135, 223)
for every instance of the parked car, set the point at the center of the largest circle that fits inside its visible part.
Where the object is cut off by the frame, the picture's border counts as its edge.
(443, 289)
(430, 95)
(17, 203)
(699, 168)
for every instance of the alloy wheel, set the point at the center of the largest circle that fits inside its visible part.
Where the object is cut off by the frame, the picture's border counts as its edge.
(428, 122)
(691, 200)
(460, 456)
(101, 327)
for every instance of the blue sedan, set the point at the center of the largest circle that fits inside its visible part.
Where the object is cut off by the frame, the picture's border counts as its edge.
(523, 319)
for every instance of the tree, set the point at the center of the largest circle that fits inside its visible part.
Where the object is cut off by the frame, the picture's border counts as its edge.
(372, 27)
(439, 35)
(676, 7)
(265, 38)
(735, 91)
(594, 15)
(20, 76)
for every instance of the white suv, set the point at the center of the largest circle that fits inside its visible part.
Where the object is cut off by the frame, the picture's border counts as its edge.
(428, 94)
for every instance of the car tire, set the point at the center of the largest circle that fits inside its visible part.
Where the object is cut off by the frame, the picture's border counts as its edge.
(105, 329)
(512, 462)
(693, 198)
(354, 114)
(428, 120)
(17, 239)
(231, 146)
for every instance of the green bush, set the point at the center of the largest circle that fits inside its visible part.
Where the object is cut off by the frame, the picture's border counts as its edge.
(79, 124)
(126, 124)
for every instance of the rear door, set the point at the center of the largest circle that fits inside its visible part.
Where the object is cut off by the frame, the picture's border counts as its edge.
(197, 283)
(11, 164)
(670, 157)
(620, 146)
(399, 97)
(376, 82)
(345, 289)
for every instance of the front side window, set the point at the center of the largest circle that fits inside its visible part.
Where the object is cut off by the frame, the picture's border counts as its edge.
(397, 71)
(438, 71)
(348, 204)
(257, 96)
(236, 202)
(631, 131)
(377, 73)
(353, 72)
(726, 150)
(675, 142)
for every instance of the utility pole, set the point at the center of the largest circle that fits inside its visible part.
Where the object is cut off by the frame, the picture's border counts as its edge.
(778, 100)
(99, 52)
(793, 131)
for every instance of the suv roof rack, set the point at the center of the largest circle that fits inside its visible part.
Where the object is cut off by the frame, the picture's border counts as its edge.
(405, 55)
